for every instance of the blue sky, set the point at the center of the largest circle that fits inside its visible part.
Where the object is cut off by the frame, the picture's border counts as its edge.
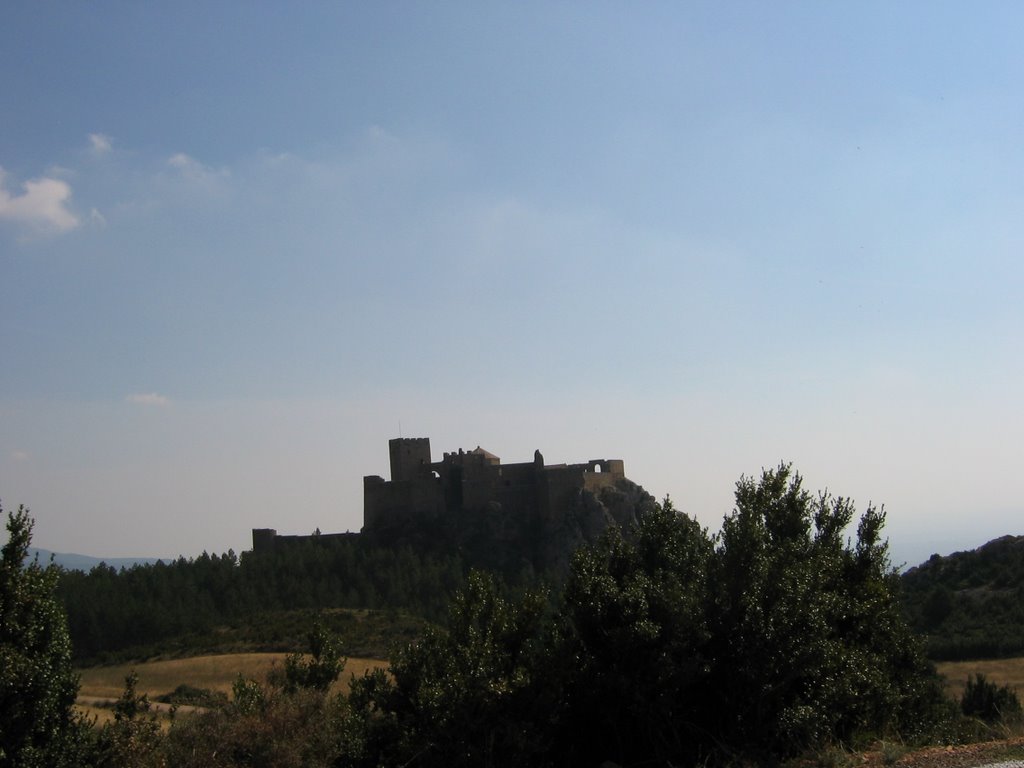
(243, 245)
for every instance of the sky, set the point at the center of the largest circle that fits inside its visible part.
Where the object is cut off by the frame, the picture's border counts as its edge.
(243, 245)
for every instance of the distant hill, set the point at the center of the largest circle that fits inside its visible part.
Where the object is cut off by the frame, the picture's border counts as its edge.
(969, 605)
(73, 562)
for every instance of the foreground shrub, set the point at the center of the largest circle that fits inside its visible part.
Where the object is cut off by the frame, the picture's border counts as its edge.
(283, 731)
(321, 668)
(633, 643)
(38, 725)
(989, 702)
(133, 739)
(810, 645)
(476, 695)
(193, 696)
(776, 637)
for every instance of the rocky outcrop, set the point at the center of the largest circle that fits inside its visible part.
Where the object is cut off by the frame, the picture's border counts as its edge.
(510, 542)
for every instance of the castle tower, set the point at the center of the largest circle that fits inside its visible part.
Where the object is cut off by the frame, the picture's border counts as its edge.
(410, 457)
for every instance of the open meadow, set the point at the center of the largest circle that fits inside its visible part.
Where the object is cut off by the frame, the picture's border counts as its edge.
(999, 671)
(219, 672)
(101, 686)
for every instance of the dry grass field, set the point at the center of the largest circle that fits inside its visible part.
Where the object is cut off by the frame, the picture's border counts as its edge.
(1000, 671)
(216, 673)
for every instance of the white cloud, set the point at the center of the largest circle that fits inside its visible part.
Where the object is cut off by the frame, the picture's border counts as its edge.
(101, 144)
(192, 169)
(148, 398)
(42, 206)
(183, 161)
(97, 218)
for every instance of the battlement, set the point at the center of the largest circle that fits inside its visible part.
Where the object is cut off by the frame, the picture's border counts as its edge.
(410, 457)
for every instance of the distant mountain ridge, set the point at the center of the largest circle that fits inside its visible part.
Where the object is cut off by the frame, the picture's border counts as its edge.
(74, 562)
(970, 604)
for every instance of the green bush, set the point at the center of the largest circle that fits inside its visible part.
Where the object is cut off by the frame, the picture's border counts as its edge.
(323, 665)
(38, 726)
(475, 695)
(297, 730)
(133, 739)
(193, 696)
(811, 645)
(989, 702)
(668, 645)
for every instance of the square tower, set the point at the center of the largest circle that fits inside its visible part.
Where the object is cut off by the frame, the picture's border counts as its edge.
(410, 458)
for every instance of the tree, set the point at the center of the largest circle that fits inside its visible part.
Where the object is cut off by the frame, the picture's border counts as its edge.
(323, 666)
(811, 644)
(133, 739)
(632, 643)
(478, 694)
(37, 686)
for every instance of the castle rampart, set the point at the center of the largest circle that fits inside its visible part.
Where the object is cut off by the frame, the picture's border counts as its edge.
(468, 492)
(473, 480)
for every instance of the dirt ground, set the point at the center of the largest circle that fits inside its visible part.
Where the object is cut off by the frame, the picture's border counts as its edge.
(963, 756)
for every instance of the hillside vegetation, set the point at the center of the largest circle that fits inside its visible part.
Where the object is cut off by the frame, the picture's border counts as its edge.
(664, 645)
(969, 605)
(371, 596)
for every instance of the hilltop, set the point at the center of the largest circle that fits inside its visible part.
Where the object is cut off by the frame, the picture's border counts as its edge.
(969, 604)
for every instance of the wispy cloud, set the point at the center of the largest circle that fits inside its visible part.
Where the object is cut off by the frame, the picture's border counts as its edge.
(101, 143)
(20, 455)
(192, 169)
(148, 398)
(42, 206)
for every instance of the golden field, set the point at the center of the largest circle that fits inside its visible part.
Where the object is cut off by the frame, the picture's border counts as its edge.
(1000, 671)
(217, 673)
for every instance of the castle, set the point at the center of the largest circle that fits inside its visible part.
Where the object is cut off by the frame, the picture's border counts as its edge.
(506, 513)
(474, 480)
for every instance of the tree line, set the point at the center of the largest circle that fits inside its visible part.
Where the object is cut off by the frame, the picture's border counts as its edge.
(111, 611)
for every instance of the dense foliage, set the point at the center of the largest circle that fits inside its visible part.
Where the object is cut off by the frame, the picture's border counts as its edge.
(810, 644)
(37, 686)
(970, 605)
(670, 646)
(989, 702)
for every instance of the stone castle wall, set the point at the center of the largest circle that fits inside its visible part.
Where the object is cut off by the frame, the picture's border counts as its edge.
(468, 488)
(473, 480)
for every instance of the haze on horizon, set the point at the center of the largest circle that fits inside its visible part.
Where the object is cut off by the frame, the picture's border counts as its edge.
(242, 247)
